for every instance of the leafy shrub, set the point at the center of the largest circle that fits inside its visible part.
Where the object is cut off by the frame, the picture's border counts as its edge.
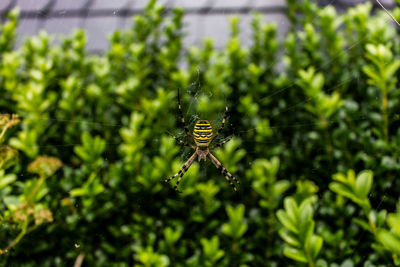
(316, 145)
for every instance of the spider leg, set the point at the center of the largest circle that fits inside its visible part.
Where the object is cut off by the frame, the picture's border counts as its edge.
(182, 171)
(183, 118)
(221, 143)
(180, 141)
(223, 121)
(228, 176)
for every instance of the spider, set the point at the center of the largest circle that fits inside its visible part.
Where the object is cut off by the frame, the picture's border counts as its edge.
(202, 137)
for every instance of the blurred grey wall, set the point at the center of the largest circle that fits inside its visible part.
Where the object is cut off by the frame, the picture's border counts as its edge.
(203, 18)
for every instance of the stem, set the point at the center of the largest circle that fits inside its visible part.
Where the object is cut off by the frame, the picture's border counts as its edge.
(367, 210)
(34, 191)
(25, 228)
(385, 113)
(235, 248)
(11, 120)
(373, 226)
(309, 258)
(79, 259)
(17, 239)
(271, 223)
(328, 146)
(4, 131)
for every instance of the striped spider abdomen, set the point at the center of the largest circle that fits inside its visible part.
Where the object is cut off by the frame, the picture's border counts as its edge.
(202, 133)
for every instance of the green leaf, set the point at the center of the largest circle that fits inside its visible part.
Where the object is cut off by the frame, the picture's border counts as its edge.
(351, 178)
(392, 68)
(340, 177)
(292, 209)
(314, 245)
(363, 224)
(80, 151)
(381, 218)
(235, 213)
(363, 183)
(211, 248)
(389, 240)
(6, 179)
(342, 190)
(321, 263)
(289, 238)
(286, 221)
(393, 220)
(349, 263)
(306, 230)
(295, 254)
(318, 81)
(77, 192)
(274, 167)
(371, 73)
(218, 255)
(241, 231)
(226, 229)
(280, 187)
(305, 210)
(97, 188)
(371, 49)
(12, 202)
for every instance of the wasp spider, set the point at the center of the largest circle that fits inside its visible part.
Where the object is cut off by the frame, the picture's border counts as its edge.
(202, 137)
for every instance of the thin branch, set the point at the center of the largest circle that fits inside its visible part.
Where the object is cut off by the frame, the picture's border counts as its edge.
(16, 240)
(387, 11)
(79, 260)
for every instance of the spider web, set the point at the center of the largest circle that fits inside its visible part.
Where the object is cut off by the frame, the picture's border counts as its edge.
(196, 88)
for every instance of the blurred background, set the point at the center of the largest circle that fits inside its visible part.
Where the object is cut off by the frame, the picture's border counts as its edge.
(203, 18)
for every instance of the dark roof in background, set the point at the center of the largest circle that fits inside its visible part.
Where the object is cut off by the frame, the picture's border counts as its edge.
(203, 18)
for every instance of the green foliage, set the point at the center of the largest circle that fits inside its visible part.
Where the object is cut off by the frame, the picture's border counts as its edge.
(355, 188)
(8, 32)
(236, 227)
(81, 162)
(211, 250)
(302, 244)
(91, 150)
(263, 173)
(150, 258)
(391, 239)
(322, 105)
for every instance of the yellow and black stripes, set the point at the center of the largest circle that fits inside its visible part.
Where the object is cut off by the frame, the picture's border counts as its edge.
(182, 171)
(202, 133)
(228, 176)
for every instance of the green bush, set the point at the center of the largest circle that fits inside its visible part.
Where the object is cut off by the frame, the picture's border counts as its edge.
(316, 146)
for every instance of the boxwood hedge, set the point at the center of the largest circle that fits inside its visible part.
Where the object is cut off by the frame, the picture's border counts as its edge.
(316, 144)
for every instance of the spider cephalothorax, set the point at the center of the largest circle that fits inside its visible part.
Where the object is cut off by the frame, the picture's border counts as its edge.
(202, 137)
